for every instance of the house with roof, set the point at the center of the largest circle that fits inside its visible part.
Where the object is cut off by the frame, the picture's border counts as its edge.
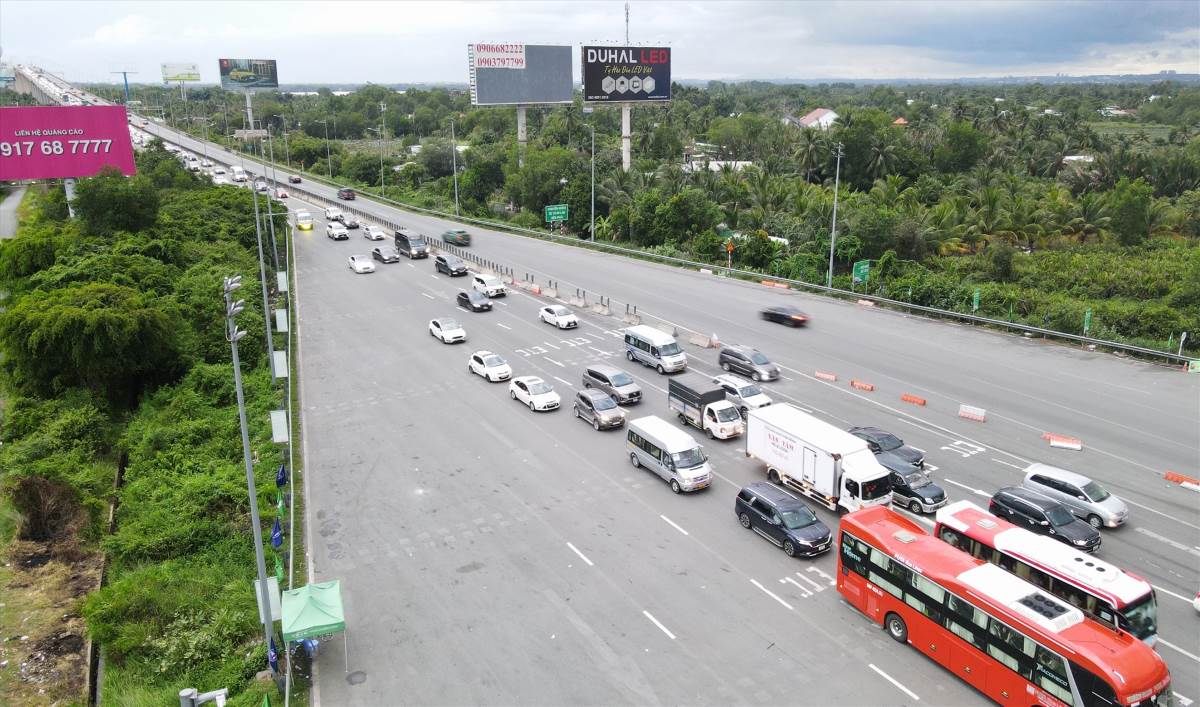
(821, 118)
(900, 122)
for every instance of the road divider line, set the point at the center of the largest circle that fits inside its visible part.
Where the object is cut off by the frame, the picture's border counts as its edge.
(1164, 515)
(593, 348)
(806, 592)
(975, 491)
(662, 628)
(1167, 541)
(1000, 461)
(672, 524)
(892, 680)
(556, 363)
(503, 326)
(581, 555)
(566, 383)
(771, 594)
(1177, 649)
(1168, 591)
(426, 294)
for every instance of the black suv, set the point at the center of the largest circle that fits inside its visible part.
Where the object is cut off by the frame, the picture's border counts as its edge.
(1031, 510)
(346, 194)
(783, 519)
(452, 265)
(885, 445)
(913, 489)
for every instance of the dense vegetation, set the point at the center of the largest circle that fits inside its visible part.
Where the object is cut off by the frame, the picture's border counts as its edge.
(975, 191)
(115, 357)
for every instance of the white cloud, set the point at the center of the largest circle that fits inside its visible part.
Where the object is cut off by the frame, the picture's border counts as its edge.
(128, 31)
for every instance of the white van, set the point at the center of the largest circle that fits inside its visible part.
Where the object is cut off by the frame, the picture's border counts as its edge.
(239, 174)
(655, 348)
(668, 451)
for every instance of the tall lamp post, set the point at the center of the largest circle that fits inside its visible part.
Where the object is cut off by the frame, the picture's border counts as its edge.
(234, 335)
(287, 155)
(380, 133)
(837, 174)
(593, 226)
(454, 164)
(328, 161)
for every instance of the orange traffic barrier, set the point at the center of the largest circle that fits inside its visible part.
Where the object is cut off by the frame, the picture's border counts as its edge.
(913, 399)
(1181, 478)
(866, 303)
(970, 412)
(768, 283)
(826, 376)
(535, 289)
(1062, 441)
(861, 385)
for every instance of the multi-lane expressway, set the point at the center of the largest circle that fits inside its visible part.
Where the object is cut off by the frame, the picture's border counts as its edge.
(492, 555)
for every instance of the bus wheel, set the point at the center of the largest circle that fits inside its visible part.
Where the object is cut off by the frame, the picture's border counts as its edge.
(896, 628)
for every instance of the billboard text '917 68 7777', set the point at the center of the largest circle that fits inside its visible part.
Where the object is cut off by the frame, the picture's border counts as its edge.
(52, 142)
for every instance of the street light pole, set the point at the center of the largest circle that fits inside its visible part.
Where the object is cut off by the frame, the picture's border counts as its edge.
(328, 161)
(593, 127)
(233, 334)
(837, 174)
(382, 108)
(454, 164)
(287, 156)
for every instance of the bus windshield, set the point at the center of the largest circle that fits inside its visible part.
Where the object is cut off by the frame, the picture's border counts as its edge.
(691, 458)
(1141, 617)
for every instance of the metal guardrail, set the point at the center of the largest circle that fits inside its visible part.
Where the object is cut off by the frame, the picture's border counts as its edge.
(750, 274)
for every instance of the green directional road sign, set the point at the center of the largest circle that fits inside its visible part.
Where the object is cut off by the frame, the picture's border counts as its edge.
(1087, 321)
(556, 212)
(861, 271)
(975, 301)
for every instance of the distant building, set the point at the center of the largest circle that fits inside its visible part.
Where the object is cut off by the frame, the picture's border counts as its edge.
(699, 165)
(1113, 111)
(900, 122)
(908, 101)
(1078, 159)
(820, 118)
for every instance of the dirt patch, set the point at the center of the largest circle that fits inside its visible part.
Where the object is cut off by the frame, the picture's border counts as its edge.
(42, 635)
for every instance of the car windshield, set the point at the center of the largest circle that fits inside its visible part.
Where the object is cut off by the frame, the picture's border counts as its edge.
(728, 414)
(492, 361)
(798, 518)
(604, 403)
(1095, 491)
(668, 349)
(691, 458)
(758, 358)
(749, 391)
(1059, 516)
(620, 379)
(876, 488)
(917, 479)
(1141, 617)
(888, 441)
(559, 311)
(477, 296)
(539, 387)
(448, 323)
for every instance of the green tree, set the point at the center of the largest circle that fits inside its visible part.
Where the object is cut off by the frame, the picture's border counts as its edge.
(682, 216)
(437, 157)
(112, 202)
(961, 149)
(1128, 204)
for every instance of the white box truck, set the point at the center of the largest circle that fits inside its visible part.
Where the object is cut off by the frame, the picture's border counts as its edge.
(816, 458)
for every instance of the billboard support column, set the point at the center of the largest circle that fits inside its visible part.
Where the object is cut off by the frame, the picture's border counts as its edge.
(249, 112)
(522, 138)
(626, 136)
(69, 186)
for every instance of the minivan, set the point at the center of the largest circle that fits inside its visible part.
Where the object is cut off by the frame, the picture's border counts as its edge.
(614, 381)
(657, 445)
(1087, 499)
(748, 361)
(783, 519)
(1043, 515)
(655, 348)
(411, 243)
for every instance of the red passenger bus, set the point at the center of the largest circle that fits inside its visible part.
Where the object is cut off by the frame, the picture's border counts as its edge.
(1106, 593)
(1005, 637)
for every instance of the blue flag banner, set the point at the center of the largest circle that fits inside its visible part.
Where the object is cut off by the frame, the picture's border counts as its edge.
(277, 535)
(281, 476)
(273, 656)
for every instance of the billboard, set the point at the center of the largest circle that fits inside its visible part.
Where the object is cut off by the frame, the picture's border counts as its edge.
(180, 72)
(50, 142)
(248, 73)
(511, 73)
(626, 74)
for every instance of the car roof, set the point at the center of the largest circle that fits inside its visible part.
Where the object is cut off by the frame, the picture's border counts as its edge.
(774, 495)
(593, 394)
(1029, 496)
(529, 379)
(733, 380)
(603, 368)
(1056, 472)
(874, 431)
(743, 348)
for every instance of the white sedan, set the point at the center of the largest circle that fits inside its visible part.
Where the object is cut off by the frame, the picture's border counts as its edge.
(281, 194)
(490, 366)
(373, 233)
(534, 392)
(361, 264)
(559, 316)
(447, 330)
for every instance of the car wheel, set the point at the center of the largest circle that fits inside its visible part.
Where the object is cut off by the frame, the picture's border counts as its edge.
(725, 366)
(744, 520)
(755, 377)
(596, 424)
(675, 487)
(765, 316)
(633, 459)
(710, 434)
(660, 370)
(914, 506)
(896, 628)
(745, 413)
(629, 355)
(789, 549)
(469, 369)
(576, 410)
(1095, 522)
(682, 419)
(512, 395)
(531, 406)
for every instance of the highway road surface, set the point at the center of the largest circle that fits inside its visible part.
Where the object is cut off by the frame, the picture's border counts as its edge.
(492, 555)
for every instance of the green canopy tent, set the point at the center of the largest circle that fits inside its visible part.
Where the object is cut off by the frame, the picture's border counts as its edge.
(314, 610)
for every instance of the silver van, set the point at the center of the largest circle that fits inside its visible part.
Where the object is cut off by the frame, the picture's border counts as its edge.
(1087, 499)
(668, 451)
(654, 348)
(614, 381)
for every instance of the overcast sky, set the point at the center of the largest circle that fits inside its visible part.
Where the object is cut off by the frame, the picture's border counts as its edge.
(393, 42)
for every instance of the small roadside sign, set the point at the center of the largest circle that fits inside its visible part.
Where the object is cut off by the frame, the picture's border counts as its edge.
(1087, 320)
(729, 246)
(861, 271)
(556, 212)
(975, 301)
(1193, 366)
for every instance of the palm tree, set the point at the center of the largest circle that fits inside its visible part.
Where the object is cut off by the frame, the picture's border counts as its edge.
(959, 110)
(1088, 217)
(810, 152)
(882, 157)
(671, 179)
(890, 192)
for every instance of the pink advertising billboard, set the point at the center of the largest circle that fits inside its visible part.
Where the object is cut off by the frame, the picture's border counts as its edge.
(47, 142)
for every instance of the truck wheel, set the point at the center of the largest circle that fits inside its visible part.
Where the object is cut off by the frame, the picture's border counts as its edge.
(675, 486)
(914, 506)
(896, 628)
(789, 549)
(744, 520)
(772, 476)
(682, 419)
(633, 459)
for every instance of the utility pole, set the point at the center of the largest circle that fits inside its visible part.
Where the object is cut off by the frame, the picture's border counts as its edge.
(328, 161)
(454, 164)
(125, 75)
(233, 335)
(593, 127)
(837, 174)
(382, 109)
(286, 154)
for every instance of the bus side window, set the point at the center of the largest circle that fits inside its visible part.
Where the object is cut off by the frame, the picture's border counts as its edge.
(951, 537)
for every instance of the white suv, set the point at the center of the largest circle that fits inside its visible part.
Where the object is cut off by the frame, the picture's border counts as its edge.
(332, 213)
(337, 232)
(489, 285)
